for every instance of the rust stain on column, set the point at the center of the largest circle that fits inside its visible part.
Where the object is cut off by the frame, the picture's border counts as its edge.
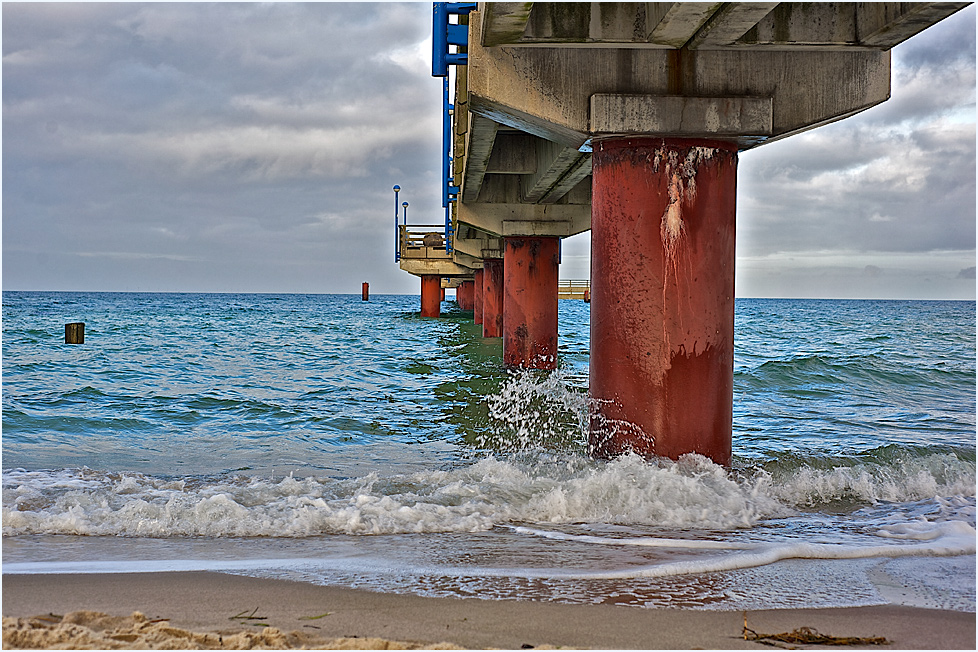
(662, 297)
(530, 269)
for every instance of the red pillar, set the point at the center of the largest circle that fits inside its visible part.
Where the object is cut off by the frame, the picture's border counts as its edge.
(463, 295)
(365, 291)
(443, 294)
(430, 295)
(477, 297)
(530, 289)
(492, 298)
(662, 297)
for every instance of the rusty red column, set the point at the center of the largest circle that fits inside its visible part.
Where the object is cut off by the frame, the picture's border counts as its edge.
(492, 298)
(477, 297)
(530, 296)
(662, 297)
(463, 295)
(430, 295)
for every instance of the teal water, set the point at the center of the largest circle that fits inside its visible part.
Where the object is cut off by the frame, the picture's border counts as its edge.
(330, 440)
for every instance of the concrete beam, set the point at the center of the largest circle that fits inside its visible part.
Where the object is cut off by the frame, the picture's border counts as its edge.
(795, 24)
(504, 22)
(514, 219)
(701, 117)
(480, 140)
(844, 25)
(729, 23)
(709, 25)
(476, 243)
(422, 267)
(680, 22)
(469, 261)
(886, 24)
(513, 153)
(571, 182)
(560, 170)
(527, 121)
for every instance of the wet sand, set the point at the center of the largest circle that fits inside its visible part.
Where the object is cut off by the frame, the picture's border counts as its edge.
(207, 602)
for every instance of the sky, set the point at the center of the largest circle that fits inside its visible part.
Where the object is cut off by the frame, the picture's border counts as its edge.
(253, 147)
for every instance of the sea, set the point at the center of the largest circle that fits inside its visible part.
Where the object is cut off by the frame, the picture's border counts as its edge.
(334, 441)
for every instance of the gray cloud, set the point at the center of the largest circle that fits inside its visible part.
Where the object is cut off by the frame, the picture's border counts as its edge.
(258, 141)
(896, 180)
(252, 147)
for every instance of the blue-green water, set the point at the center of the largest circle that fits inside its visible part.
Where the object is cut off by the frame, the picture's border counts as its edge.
(326, 439)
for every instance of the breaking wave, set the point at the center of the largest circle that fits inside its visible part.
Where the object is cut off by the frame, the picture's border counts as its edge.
(528, 488)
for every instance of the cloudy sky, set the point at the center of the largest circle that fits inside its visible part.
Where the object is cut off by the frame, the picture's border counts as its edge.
(253, 147)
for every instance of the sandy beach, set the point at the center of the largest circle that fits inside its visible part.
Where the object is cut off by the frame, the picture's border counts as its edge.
(208, 602)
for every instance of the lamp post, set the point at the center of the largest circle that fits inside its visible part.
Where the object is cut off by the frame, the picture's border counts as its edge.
(405, 205)
(397, 239)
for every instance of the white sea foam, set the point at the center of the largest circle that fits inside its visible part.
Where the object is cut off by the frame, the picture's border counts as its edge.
(645, 542)
(942, 540)
(521, 490)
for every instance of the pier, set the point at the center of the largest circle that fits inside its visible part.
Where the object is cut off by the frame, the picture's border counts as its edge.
(627, 119)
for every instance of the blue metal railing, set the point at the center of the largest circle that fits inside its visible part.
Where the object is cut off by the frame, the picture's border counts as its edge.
(445, 34)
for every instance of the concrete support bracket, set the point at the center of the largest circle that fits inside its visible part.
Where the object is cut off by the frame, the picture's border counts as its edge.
(512, 219)
(673, 115)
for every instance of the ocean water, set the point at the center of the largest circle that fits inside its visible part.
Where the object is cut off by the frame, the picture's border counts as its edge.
(329, 440)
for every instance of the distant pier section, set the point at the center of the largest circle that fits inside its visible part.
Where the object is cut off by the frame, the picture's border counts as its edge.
(574, 289)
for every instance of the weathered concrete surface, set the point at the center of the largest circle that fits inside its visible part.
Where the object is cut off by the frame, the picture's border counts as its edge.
(716, 25)
(513, 219)
(477, 243)
(423, 267)
(547, 91)
(662, 297)
(613, 113)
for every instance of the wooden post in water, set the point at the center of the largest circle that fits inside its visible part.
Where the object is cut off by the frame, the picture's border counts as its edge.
(75, 333)
(366, 291)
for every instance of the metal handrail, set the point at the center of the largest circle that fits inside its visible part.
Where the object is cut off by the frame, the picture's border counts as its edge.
(574, 289)
(413, 237)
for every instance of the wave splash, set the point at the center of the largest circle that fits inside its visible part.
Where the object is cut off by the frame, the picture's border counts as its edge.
(519, 489)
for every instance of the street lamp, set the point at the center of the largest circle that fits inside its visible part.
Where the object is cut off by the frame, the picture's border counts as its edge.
(397, 240)
(405, 205)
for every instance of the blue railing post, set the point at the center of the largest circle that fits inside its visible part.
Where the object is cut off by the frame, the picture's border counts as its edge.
(397, 239)
(444, 34)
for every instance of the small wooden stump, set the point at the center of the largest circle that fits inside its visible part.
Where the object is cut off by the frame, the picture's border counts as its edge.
(75, 333)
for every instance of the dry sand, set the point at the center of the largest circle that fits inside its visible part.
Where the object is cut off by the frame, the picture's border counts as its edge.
(196, 610)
